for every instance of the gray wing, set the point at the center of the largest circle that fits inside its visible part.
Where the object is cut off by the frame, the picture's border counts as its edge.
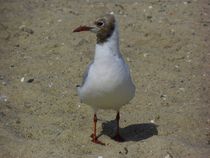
(85, 74)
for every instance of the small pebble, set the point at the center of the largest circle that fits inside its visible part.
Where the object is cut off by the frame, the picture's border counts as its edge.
(181, 89)
(149, 17)
(3, 98)
(22, 26)
(152, 121)
(30, 80)
(185, 3)
(136, 3)
(59, 20)
(150, 7)
(168, 156)
(22, 79)
(163, 96)
(27, 30)
(50, 84)
(172, 30)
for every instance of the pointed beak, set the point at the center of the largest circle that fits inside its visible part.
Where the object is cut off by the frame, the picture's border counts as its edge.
(83, 28)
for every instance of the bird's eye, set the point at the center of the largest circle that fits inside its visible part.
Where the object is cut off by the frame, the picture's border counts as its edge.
(99, 23)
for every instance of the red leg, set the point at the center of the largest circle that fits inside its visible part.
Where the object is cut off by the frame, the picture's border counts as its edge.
(117, 136)
(95, 139)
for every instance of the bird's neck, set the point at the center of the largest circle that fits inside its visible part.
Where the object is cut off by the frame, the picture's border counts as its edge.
(108, 48)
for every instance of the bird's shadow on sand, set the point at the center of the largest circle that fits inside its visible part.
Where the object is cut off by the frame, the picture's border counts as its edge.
(134, 132)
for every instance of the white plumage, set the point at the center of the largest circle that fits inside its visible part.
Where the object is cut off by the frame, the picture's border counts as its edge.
(107, 84)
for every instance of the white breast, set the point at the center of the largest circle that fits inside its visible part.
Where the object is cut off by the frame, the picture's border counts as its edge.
(108, 84)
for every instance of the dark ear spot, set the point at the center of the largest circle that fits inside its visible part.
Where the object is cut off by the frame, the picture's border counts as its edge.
(106, 29)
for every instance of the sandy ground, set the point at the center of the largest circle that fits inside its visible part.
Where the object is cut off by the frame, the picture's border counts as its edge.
(167, 45)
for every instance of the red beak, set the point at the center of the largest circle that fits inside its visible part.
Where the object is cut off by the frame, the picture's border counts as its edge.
(82, 28)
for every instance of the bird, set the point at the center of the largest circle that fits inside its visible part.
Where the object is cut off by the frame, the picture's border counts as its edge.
(107, 82)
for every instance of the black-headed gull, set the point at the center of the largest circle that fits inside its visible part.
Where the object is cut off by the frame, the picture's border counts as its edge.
(107, 83)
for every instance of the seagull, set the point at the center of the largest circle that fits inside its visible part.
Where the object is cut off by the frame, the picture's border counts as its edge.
(107, 83)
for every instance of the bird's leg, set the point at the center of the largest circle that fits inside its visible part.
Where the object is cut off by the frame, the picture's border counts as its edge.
(94, 137)
(117, 136)
(94, 128)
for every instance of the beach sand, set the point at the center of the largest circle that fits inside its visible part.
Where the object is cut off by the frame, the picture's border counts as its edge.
(167, 46)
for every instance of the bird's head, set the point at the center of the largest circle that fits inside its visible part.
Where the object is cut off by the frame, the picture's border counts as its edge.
(103, 27)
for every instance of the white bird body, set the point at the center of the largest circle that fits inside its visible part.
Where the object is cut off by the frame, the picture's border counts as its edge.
(107, 84)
